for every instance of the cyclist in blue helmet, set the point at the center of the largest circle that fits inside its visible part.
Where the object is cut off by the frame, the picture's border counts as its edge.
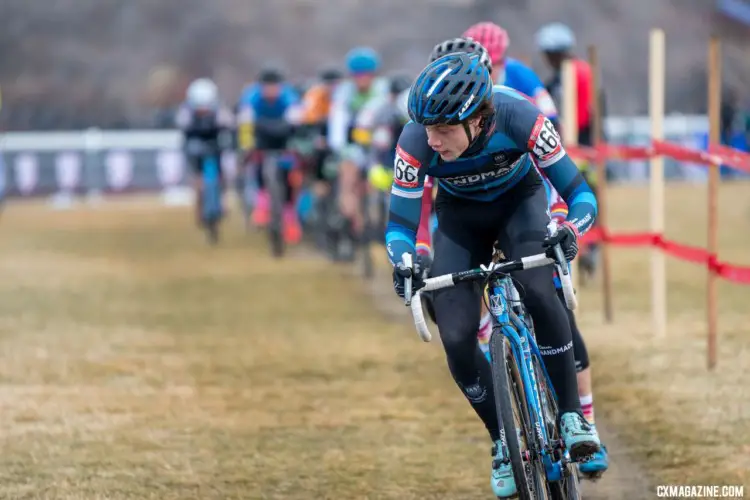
(481, 142)
(512, 73)
(350, 127)
(362, 63)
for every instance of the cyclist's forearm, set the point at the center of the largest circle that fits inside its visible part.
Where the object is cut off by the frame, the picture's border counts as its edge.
(403, 221)
(568, 181)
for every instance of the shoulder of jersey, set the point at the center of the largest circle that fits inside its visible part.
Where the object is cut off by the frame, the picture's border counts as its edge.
(381, 86)
(317, 91)
(249, 92)
(516, 67)
(523, 77)
(343, 91)
(504, 94)
(413, 139)
(290, 91)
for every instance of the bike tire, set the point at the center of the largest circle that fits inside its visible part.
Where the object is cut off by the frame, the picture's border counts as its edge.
(212, 232)
(567, 488)
(367, 265)
(275, 186)
(508, 407)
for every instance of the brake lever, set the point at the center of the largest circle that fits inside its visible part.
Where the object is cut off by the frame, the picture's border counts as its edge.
(406, 258)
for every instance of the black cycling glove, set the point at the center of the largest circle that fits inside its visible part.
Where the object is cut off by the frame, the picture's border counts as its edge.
(401, 272)
(567, 236)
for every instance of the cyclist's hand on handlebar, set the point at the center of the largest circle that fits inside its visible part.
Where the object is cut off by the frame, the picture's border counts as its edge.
(400, 275)
(567, 237)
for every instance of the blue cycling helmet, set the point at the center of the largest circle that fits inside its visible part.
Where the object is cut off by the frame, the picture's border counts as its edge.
(362, 60)
(449, 90)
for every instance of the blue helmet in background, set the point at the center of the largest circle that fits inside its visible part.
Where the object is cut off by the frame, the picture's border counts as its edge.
(362, 60)
(449, 90)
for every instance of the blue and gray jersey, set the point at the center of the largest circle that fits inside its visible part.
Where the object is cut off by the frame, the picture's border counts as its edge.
(521, 136)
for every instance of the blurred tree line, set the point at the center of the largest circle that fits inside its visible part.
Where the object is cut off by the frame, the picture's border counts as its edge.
(67, 64)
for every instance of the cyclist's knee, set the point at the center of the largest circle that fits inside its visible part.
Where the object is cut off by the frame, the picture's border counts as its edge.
(537, 287)
(457, 317)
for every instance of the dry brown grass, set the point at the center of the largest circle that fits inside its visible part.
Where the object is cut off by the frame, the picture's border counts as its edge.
(137, 363)
(687, 423)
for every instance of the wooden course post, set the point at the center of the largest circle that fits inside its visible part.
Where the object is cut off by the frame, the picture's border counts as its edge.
(601, 182)
(656, 113)
(714, 106)
(570, 131)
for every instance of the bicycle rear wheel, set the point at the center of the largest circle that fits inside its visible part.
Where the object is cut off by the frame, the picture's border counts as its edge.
(211, 199)
(567, 488)
(510, 404)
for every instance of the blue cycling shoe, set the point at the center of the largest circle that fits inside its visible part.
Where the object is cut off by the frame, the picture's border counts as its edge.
(502, 480)
(593, 466)
(580, 437)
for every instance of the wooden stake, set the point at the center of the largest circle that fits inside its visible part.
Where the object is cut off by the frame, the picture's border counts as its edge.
(714, 110)
(570, 132)
(601, 182)
(656, 112)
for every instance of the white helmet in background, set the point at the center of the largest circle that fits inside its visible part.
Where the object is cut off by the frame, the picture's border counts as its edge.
(555, 37)
(203, 93)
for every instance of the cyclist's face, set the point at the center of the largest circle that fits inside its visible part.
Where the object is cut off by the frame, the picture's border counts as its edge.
(449, 141)
(363, 80)
(554, 59)
(271, 91)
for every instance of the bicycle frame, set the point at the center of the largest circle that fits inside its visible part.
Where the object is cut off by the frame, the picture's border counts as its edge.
(524, 348)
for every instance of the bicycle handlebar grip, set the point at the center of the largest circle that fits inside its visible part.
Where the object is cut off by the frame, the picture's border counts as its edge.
(438, 282)
(409, 263)
(419, 321)
(565, 279)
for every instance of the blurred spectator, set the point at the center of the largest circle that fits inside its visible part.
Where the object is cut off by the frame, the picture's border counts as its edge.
(164, 89)
(728, 115)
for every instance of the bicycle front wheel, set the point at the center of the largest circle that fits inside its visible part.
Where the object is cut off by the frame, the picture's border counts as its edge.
(366, 237)
(511, 406)
(273, 177)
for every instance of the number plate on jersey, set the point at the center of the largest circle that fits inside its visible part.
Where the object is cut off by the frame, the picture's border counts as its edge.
(405, 169)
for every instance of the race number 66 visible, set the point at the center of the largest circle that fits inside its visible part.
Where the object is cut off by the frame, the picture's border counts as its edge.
(548, 141)
(405, 170)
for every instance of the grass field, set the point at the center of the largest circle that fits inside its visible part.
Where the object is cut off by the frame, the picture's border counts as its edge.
(137, 363)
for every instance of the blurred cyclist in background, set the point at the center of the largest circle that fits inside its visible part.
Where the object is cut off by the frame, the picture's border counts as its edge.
(349, 136)
(511, 72)
(206, 127)
(556, 42)
(389, 117)
(267, 113)
(316, 108)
